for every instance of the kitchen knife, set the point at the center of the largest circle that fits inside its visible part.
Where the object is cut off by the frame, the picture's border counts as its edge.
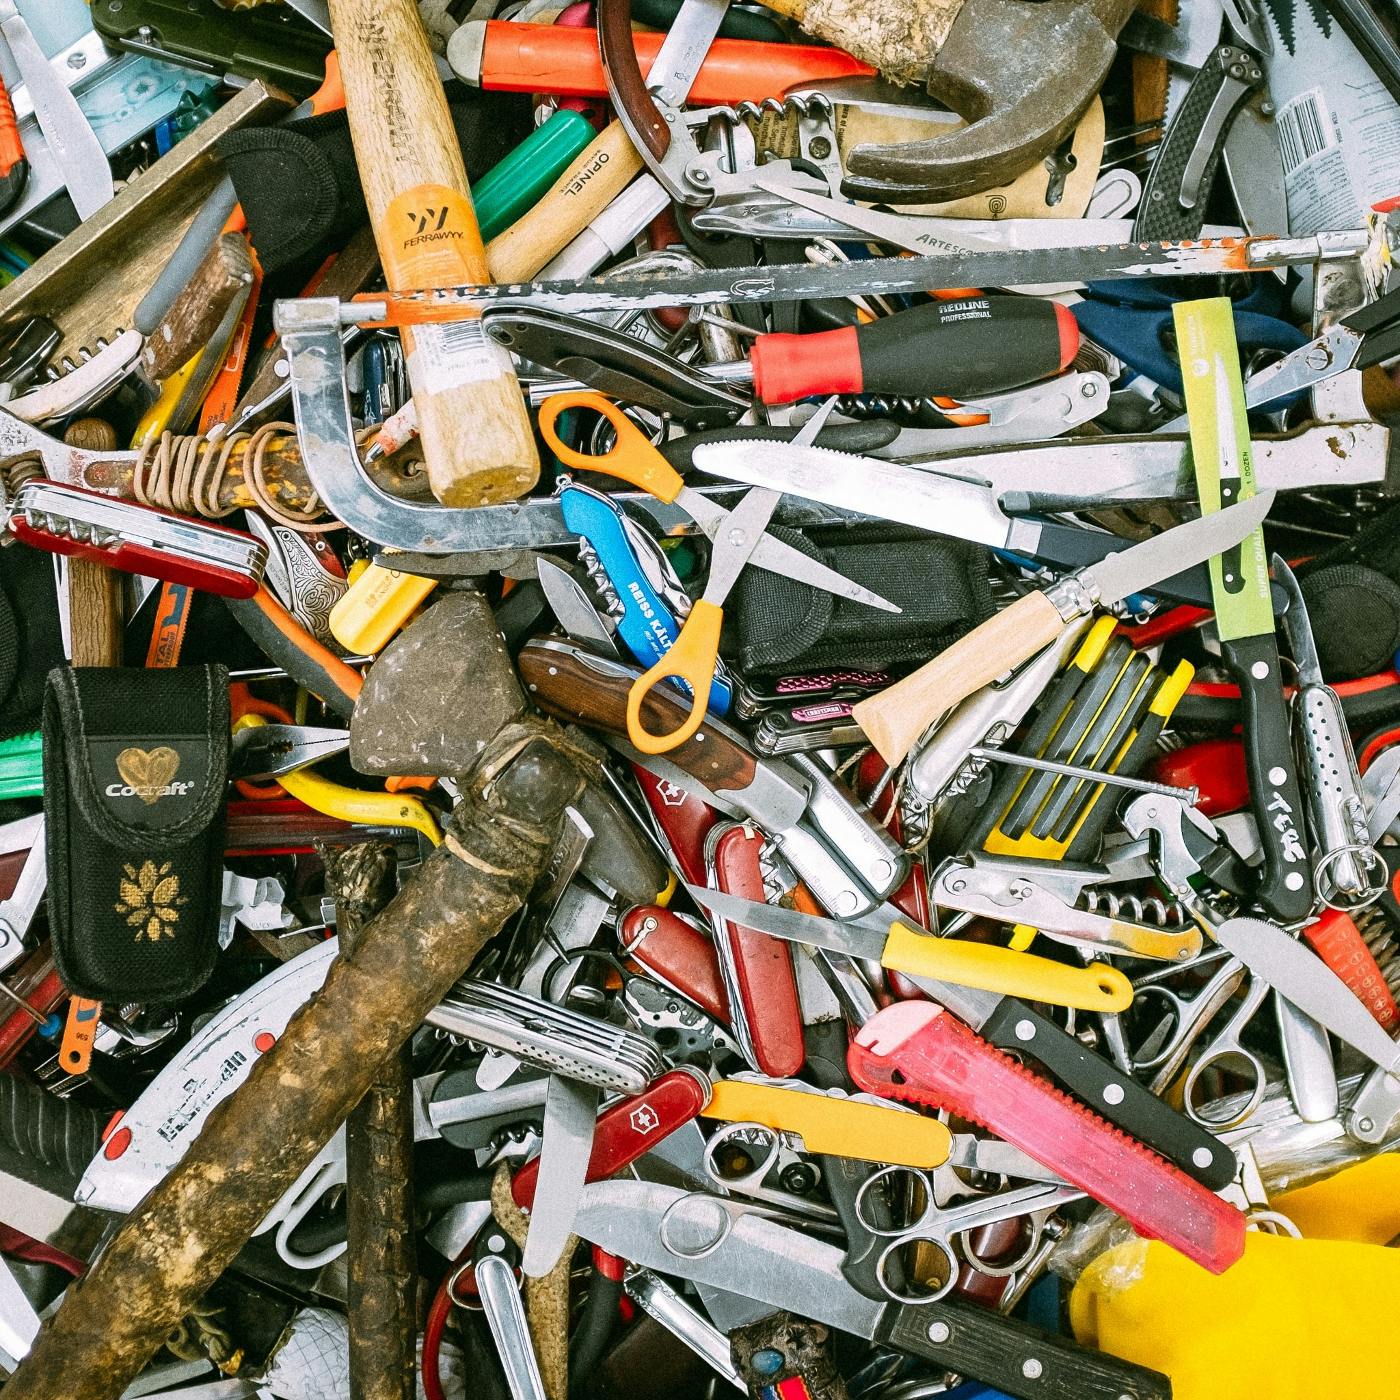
(1013, 1026)
(716, 1242)
(1244, 618)
(927, 500)
(894, 944)
(895, 718)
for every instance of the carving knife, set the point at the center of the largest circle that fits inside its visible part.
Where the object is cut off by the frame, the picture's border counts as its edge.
(716, 1242)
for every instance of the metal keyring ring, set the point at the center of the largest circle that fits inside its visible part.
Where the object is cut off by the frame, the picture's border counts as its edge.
(689, 1252)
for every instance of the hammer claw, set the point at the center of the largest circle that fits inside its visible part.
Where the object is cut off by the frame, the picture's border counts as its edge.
(1021, 74)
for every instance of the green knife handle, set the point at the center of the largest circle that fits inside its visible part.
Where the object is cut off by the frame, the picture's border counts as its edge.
(1285, 887)
(1014, 1356)
(516, 183)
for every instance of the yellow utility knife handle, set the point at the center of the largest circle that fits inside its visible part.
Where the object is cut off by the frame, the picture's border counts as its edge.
(839, 1126)
(352, 804)
(692, 659)
(993, 968)
(631, 458)
(378, 602)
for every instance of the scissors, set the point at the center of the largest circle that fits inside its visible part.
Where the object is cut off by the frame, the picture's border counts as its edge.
(738, 537)
(940, 1229)
(1227, 1051)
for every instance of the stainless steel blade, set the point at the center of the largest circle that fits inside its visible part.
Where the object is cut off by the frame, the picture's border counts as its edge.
(1296, 625)
(709, 1240)
(574, 608)
(1135, 570)
(944, 505)
(70, 137)
(1254, 167)
(683, 50)
(1271, 954)
(735, 541)
(566, 1143)
(849, 936)
(19, 1322)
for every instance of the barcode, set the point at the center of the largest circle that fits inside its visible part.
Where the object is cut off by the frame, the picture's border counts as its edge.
(1304, 129)
(461, 337)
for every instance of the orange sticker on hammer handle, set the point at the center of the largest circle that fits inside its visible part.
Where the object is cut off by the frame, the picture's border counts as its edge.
(431, 238)
(79, 1033)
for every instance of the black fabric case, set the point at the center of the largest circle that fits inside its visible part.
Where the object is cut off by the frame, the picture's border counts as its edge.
(135, 765)
(775, 625)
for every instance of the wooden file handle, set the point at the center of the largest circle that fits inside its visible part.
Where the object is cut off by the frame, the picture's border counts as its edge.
(593, 179)
(476, 433)
(894, 719)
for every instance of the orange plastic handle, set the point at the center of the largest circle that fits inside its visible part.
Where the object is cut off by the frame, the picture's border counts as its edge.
(692, 659)
(565, 62)
(631, 458)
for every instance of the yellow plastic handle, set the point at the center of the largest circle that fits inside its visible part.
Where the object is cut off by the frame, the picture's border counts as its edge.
(631, 458)
(375, 606)
(352, 804)
(691, 659)
(839, 1126)
(1097, 987)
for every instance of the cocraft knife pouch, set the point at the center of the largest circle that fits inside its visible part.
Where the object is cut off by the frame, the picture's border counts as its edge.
(774, 624)
(135, 764)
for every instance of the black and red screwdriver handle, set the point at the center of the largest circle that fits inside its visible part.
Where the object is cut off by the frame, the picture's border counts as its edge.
(14, 167)
(958, 349)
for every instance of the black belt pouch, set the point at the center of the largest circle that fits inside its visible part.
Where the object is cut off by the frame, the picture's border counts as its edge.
(135, 763)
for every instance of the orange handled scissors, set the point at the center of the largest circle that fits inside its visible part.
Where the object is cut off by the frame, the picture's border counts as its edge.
(738, 537)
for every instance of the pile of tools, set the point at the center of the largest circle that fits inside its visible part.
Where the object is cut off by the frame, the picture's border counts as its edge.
(698, 696)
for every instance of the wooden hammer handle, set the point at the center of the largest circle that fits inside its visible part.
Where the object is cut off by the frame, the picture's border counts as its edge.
(894, 719)
(476, 433)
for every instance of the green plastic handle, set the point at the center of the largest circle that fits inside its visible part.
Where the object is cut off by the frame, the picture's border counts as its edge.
(514, 185)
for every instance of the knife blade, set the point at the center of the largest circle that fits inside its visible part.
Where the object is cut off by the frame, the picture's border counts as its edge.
(75, 146)
(574, 609)
(1240, 588)
(896, 717)
(1304, 979)
(927, 500)
(566, 1143)
(712, 1241)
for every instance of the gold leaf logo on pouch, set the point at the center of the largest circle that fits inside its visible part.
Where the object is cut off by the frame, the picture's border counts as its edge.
(150, 899)
(148, 771)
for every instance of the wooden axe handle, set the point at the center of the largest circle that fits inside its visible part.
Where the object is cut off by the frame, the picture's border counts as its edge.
(476, 433)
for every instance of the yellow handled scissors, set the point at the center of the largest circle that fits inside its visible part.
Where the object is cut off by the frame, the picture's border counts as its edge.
(738, 536)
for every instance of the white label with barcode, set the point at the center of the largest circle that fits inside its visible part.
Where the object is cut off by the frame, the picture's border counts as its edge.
(454, 353)
(1305, 129)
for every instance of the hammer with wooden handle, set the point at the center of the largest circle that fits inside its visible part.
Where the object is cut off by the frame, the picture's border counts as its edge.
(477, 439)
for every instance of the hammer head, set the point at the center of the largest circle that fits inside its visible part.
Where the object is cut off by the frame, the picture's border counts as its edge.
(1021, 73)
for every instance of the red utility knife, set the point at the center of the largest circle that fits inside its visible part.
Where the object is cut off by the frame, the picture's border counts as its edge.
(919, 1053)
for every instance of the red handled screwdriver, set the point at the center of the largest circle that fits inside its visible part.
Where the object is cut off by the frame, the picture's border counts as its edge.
(14, 167)
(959, 349)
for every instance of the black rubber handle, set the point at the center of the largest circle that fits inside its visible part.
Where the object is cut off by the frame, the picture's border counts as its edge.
(844, 1176)
(1285, 878)
(1014, 1356)
(1014, 1027)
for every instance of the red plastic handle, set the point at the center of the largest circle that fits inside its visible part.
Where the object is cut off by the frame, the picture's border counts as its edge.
(685, 821)
(630, 1128)
(1216, 767)
(762, 964)
(1338, 942)
(677, 954)
(565, 62)
(918, 1053)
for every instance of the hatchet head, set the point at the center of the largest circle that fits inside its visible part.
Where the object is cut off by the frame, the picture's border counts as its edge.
(1021, 73)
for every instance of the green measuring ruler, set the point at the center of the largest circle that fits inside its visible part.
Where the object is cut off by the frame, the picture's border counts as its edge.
(1240, 589)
